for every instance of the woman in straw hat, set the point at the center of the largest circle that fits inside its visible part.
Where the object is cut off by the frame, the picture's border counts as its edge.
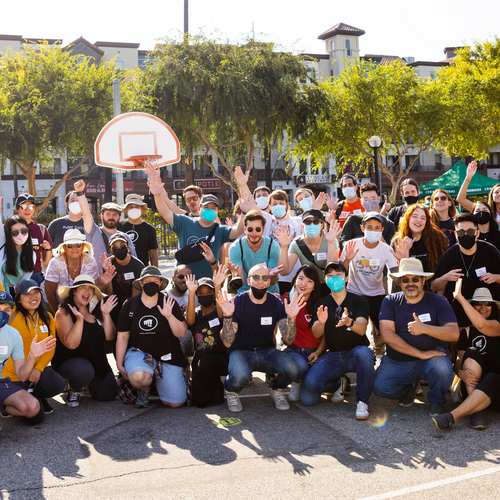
(82, 328)
(74, 257)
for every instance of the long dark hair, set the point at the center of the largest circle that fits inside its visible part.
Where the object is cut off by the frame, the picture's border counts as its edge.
(493, 226)
(42, 313)
(310, 273)
(26, 259)
(71, 301)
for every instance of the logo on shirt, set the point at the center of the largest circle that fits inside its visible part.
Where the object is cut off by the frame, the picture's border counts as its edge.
(148, 323)
(133, 235)
(363, 266)
(480, 342)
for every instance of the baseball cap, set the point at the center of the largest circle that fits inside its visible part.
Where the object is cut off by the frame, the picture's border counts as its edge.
(336, 266)
(117, 237)
(24, 287)
(23, 198)
(209, 198)
(5, 298)
(312, 213)
(373, 215)
(206, 281)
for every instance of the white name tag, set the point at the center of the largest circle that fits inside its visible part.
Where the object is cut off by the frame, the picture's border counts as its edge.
(44, 329)
(34, 241)
(3, 349)
(357, 211)
(166, 357)
(214, 322)
(129, 276)
(424, 317)
(321, 256)
(481, 271)
(374, 262)
(266, 321)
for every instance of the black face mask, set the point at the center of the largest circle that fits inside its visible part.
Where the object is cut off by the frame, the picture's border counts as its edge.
(206, 300)
(410, 200)
(466, 241)
(483, 217)
(151, 289)
(120, 253)
(258, 293)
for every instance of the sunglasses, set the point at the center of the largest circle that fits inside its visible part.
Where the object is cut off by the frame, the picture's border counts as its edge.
(251, 229)
(121, 247)
(308, 222)
(439, 198)
(23, 231)
(470, 232)
(415, 279)
(487, 304)
(180, 277)
(256, 277)
(192, 198)
(26, 206)
(71, 245)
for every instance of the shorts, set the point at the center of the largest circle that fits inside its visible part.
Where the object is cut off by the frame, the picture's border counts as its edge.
(7, 388)
(171, 388)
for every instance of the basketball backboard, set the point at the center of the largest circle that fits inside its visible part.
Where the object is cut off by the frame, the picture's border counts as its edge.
(136, 135)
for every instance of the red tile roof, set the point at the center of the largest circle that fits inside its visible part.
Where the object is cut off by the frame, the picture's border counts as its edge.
(341, 29)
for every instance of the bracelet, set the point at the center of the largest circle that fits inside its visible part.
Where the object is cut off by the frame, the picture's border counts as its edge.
(213, 263)
(80, 193)
(227, 317)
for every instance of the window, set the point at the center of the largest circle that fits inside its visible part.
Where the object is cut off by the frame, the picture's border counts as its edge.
(120, 64)
(348, 47)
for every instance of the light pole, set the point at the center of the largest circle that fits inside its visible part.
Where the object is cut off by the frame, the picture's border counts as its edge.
(375, 142)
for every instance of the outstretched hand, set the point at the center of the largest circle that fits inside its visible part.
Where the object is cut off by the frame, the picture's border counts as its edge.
(109, 305)
(292, 309)
(281, 234)
(45, 345)
(226, 304)
(322, 314)
(168, 304)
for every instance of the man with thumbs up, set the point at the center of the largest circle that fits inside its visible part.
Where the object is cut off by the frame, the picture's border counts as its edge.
(417, 327)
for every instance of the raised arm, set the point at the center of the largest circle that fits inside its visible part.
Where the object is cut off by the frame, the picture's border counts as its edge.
(192, 286)
(229, 327)
(69, 333)
(178, 327)
(107, 322)
(245, 205)
(288, 328)
(462, 194)
(22, 368)
(286, 260)
(88, 220)
(153, 171)
(333, 245)
(156, 188)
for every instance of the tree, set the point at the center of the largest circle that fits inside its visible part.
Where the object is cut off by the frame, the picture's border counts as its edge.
(51, 103)
(224, 98)
(387, 100)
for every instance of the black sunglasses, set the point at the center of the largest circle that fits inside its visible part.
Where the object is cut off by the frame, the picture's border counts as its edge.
(415, 279)
(71, 245)
(309, 222)
(439, 198)
(487, 304)
(470, 232)
(23, 231)
(251, 229)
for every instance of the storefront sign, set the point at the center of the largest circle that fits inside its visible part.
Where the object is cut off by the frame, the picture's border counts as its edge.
(179, 184)
(314, 179)
(96, 187)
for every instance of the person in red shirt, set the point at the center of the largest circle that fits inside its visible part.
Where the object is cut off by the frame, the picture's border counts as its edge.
(352, 203)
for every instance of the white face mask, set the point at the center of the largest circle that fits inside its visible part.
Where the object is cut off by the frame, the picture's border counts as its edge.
(74, 208)
(134, 213)
(262, 202)
(373, 236)
(348, 192)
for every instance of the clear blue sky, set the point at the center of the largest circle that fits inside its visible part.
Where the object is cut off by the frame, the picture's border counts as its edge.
(393, 27)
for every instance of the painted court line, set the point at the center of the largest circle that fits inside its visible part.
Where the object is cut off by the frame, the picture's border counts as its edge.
(435, 484)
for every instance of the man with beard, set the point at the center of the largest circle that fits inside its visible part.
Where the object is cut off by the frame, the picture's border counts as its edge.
(417, 327)
(110, 216)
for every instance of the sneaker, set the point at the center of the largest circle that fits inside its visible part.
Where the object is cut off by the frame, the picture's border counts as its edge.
(436, 409)
(73, 398)
(477, 421)
(294, 392)
(362, 412)
(409, 398)
(233, 402)
(46, 407)
(338, 395)
(279, 398)
(142, 399)
(6, 415)
(443, 421)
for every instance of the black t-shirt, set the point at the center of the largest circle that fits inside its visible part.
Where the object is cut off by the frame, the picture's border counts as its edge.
(143, 237)
(206, 333)
(343, 338)
(125, 276)
(418, 250)
(395, 214)
(485, 260)
(150, 331)
(489, 347)
(491, 237)
(448, 229)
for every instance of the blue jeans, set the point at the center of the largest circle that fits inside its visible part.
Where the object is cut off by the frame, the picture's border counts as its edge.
(267, 360)
(300, 355)
(324, 374)
(393, 379)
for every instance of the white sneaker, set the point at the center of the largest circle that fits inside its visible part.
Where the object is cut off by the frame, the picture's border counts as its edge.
(279, 398)
(233, 402)
(362, 412)
(73, 399)
(338, 395)
(294, 392)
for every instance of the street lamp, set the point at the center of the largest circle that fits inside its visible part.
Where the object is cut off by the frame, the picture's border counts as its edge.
(375, 142)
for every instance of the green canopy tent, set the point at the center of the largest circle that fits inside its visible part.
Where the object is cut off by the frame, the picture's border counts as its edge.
(451, 181)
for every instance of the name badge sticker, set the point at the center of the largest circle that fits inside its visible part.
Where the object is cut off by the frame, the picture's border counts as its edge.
(321, 256)
(3, 349)
(214, 322)
(166, 357)
(44, 329)
(266, 321)
(481, 271)
(424, 317)
(34, 241)
(357, 211)
(374, 262)
(129, 276)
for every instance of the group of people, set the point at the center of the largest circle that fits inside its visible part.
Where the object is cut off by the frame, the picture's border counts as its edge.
(290, 296)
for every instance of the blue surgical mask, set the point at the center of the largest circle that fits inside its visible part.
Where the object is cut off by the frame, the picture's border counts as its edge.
(279, 211)
(262, 202)
(208, 214)
(335, 283)
(348, 192)
(312, 230)
(306, 203)
(4, 318)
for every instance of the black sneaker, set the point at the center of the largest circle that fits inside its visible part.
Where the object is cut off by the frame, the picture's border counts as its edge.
(409, 398)
(477, 421)
(46, 407)
(443, 421)
(436, 409)
(6, 415)
(142, 399)
(73, 399)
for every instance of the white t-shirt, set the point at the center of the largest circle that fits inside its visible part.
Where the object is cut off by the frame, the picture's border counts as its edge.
(367, 267)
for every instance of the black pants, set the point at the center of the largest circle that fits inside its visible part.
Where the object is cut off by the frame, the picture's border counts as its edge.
(375, 303)
(49, 385)
(207, 388)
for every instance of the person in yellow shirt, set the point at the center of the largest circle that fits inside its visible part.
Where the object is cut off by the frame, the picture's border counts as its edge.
(30, 319)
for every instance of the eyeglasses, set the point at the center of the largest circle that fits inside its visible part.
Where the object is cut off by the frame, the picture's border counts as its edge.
(23, 231)
(251, 229)
(308, 222)
(192, 198)
(256, 277)
(26, 206)
(487, 304)
(439, 198)
(71, 245)
(470, 232)
(114, 249)
(415, 279)
(180, 277)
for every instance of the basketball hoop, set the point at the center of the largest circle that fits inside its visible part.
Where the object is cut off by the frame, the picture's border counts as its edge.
(140, 160)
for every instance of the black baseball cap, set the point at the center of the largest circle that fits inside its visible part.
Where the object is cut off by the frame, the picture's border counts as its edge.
(373, 215)
(312, 213)
(25, 198)
(336, 266)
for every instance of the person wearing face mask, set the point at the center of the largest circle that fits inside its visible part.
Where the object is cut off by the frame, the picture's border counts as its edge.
(211, 359)
(410, 193)
(306, 200)
(142, 233)
(149, 329)
(110, 217)
(341, 318)
(261, 196)
(476, 262)
(352, 204)
(370, 199)
(17, 259)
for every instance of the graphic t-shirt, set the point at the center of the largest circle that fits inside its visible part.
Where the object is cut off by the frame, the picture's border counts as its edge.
(11, 344)
(419, 251)
(38, 236)
(206, 332)
(489, 347)
(448, 229)
(352, 229)
(143, 237)
(348, 209)
(432, 309)
(367, 268)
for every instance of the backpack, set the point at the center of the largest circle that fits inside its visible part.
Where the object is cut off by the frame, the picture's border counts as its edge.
(340, 207)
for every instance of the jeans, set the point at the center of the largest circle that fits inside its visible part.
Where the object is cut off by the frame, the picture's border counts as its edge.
(393, 379)
(324, 374)
(50, 384)
(268, 360)
(300, 355)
